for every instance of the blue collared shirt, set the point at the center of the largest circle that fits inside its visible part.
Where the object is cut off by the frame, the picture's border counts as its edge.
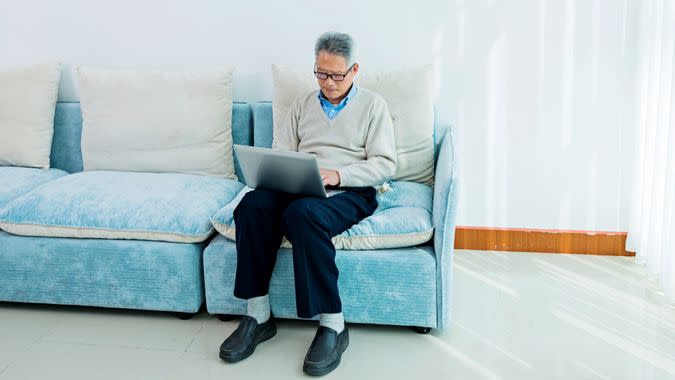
(331, 109)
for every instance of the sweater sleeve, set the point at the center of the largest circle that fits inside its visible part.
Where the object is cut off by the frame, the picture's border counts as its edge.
(287, 138)
(380, 162)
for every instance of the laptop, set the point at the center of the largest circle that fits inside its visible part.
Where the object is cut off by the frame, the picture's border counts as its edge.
(280, 170)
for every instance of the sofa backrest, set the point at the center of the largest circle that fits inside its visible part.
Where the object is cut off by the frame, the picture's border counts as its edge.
(66, 152)
(262, 127)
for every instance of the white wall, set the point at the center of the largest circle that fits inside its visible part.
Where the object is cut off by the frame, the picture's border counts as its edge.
(539, 91)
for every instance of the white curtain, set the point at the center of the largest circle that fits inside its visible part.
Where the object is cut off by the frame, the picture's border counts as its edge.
(651, 233)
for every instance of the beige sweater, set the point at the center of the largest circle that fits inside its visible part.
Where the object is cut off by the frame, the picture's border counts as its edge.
(359, 142)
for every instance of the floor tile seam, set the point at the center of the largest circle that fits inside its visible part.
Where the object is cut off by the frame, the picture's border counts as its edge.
(114, 346)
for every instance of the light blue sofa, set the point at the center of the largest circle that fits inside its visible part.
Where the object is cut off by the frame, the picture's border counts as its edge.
(136, 274)
(403, 286)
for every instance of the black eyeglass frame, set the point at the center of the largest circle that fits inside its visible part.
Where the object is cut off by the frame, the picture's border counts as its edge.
(343, 76)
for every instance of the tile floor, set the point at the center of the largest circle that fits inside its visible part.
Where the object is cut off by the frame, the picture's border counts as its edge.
(516, 316)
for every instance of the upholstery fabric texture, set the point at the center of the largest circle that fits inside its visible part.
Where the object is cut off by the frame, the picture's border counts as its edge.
(130, 274)
(389, 286)
(16, 181)
(121, 205)
(402, 219)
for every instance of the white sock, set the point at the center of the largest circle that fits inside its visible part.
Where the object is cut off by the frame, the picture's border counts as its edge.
(259, 308)
(334, 321)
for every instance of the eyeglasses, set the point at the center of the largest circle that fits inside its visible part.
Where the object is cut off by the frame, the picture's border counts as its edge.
(335, 77)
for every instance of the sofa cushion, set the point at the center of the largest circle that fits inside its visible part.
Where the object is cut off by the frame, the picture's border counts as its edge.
(121, 205)
(402, 219)
(134, 274)
(27, 102)
(381, 286)
(66, 145)
(16, 181)
(409, 96)
(153, 121)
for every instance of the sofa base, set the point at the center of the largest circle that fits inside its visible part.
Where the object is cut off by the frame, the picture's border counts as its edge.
(129, 274)
(388, 286)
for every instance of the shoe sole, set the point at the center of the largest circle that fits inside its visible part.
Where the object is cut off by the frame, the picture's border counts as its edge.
(263, 336)
(320, 371)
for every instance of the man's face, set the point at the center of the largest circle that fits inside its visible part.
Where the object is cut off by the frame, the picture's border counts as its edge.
(329, 63)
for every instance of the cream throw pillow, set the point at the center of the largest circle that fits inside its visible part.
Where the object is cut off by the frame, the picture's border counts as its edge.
(27, 103)
(157, 121)
(409, 96)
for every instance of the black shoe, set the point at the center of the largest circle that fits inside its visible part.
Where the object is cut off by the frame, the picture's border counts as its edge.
(325, 352)
(242, 342)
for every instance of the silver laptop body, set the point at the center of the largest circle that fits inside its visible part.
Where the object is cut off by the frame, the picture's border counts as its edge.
(280, 170)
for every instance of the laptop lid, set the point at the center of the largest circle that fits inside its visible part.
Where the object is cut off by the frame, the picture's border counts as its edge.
(289, 172)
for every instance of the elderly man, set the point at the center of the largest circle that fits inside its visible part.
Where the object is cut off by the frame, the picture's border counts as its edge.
(350, 132)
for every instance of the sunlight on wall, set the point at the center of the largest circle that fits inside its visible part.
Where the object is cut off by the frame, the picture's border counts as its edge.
(496, 139)
(568, 75)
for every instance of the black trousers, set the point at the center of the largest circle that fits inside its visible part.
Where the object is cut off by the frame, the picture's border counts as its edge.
(263, 217)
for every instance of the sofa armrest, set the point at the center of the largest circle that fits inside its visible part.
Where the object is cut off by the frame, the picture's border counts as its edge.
(444, 215)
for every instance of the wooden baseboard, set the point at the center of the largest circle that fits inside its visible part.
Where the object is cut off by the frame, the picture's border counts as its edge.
(546, 241)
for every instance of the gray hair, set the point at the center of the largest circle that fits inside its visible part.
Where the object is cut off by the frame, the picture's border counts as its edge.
(340, 44)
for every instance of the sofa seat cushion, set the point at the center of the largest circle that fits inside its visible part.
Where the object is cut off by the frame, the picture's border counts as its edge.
(402, 219)
(16, 181)
(131, 274)
(381, 286)
(121, 205)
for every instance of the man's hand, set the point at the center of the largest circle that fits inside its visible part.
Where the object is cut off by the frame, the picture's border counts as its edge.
(330, 177)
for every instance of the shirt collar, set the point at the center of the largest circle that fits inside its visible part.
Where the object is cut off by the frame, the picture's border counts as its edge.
(350, 95)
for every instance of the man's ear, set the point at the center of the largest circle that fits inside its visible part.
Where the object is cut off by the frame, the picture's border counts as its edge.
(356, 68)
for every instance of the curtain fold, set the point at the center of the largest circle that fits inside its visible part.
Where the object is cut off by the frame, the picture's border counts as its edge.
(651, 233)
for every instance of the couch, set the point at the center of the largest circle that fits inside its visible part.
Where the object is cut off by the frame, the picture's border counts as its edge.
(114, 273)
(405, 286)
